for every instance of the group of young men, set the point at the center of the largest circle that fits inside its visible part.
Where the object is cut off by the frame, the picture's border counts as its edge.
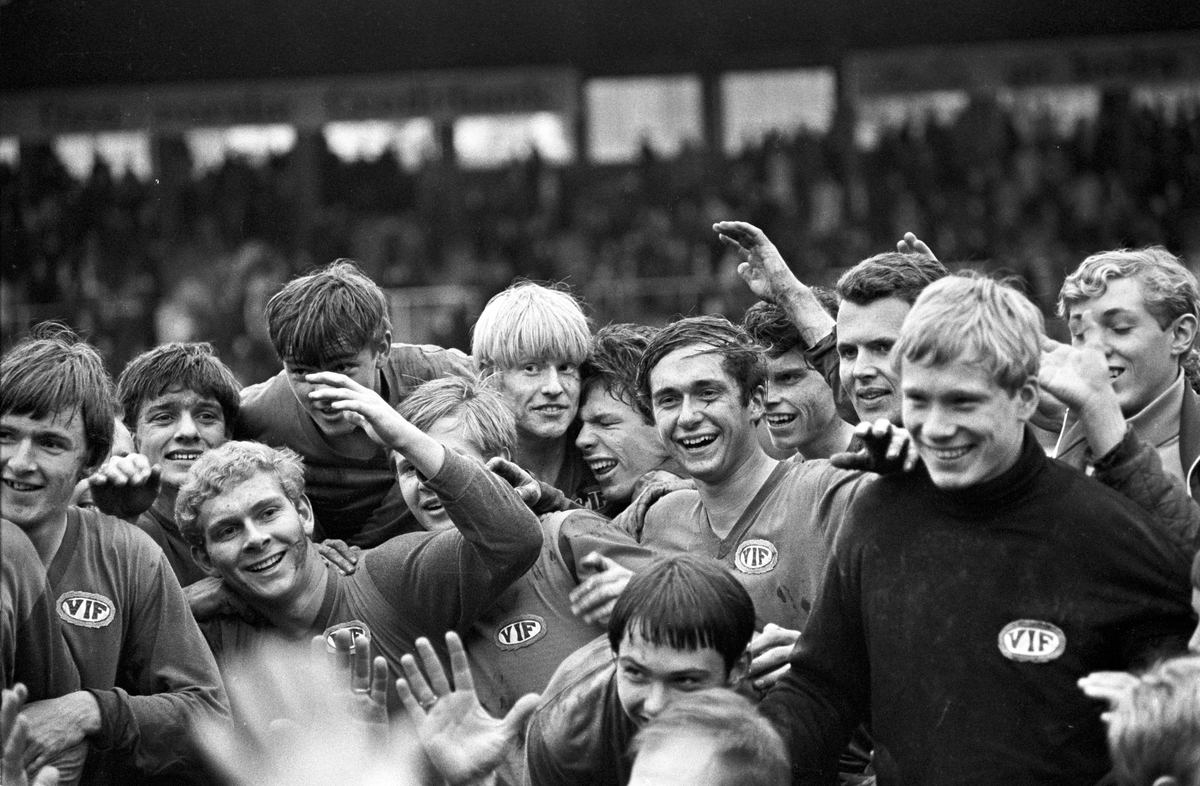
(636, 524)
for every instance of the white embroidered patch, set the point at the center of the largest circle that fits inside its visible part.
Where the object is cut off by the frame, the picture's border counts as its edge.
(1032, 641)
(86, 609)
(356, 627)
(756, 556)
(520, 632)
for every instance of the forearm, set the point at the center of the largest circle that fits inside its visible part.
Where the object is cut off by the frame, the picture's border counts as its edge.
(802, 308)
(155, 728)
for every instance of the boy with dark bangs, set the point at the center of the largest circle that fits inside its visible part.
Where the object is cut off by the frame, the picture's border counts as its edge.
(682, 625)
(143, 665)
(336, 320)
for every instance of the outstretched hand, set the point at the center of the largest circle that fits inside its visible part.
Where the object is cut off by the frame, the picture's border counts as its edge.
(1078, 377)
(886, 449)
(762, 267)
(360, 405)
(459, 737)
(359, 681)
(125, 486)
(525, 484)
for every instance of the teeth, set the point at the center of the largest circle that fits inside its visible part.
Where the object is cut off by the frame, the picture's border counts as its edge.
(871, 394)
(949, 454)
(600, 466)
(1113, 373)
(18, 486)
(182, 455)
(780, 420)
(696, 442)
(432, 505)
(266, 564)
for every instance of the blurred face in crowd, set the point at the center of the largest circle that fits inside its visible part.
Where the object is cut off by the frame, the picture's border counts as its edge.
(1143, 358)
(617, 443)
(421, 500)
(362, 367)
(41, 460)
(798, 404)
(176, 428)
(699, 413)
(650, 675)
(865, 337)
(683, 758)
(966, 427)
(257, 540)
(544, 393)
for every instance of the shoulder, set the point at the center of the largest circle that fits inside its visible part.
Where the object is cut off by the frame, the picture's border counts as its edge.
(18, 553)
(571, 716)
(413, 358)
(116, 535)
(260, 404)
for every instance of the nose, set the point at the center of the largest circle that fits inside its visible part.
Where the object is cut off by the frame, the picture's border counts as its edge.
(186, 428)
(256, 537)
(936, 425)
(19, 456)
(656, 700)
(586, 438)
(552, 385)
(689, 413)
(772, 394)
(865, 366)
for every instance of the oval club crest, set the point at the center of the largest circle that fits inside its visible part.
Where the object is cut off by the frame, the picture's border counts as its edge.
(756, 556)
(520, 632)
(86, 609)
(1032, 641)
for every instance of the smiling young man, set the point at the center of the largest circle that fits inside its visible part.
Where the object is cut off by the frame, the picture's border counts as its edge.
(530, 340)
(618, 442)
(682, 625)
(336, 320)
(145, 672)
(179, 401)
(799, 409)
(1141, 308)
(965, 600)
(245, 513)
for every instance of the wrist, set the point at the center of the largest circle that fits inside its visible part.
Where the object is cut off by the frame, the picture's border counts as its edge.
(86, 709)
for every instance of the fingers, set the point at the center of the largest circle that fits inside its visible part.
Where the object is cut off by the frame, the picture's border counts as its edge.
(767, 681)
(361, 670)
(460, 667)
(518, 716)
(412, 705)
(596, 562)
(772, 636)
(334, 380)
(433, 667)
(379, 681)
(10, 707)
(414, 684)
(132, 470)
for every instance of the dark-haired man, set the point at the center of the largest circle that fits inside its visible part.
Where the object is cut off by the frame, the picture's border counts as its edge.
(145, 671)
(336, 320)
(682, 625)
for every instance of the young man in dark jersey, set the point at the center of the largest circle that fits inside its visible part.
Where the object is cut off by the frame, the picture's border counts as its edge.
(964, 600)
(336, 320)
(145, 672)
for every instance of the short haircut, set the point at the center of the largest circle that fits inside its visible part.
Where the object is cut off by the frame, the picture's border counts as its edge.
(484, 415)
(744, 743)
(184, 366)
(1168, 287)
(328, 315)
(971, 317)
(234, 462)
(741, 358)
(613, 360)
(890, 274)
(687, 602)
(1156, 732)
(53, 373)
(768, 325)
(529, 321)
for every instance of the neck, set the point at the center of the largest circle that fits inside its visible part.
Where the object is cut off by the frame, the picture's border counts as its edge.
(541, 457)
(164, 503)
(297, 614)
(47, 536)
(832, 439)
(726, 500)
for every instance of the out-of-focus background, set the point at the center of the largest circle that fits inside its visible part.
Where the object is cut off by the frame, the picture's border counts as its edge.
(165, 167)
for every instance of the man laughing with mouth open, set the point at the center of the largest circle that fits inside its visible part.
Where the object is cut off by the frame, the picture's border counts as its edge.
(1140, 308)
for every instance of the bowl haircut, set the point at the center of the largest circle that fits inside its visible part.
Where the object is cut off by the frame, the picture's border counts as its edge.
(51, 373)
(976, 319)
(327, 316)
(529, 321)
(483, 413)
(612, 363)
(890, 274)
(685, 602)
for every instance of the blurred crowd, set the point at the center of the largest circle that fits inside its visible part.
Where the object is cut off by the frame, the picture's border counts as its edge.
(133, 263)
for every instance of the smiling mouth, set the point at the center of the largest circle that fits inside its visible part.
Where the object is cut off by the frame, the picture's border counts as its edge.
(1114, 372)
(780, 420)
(949, 454)
(183, 455)
(870, 394)
(17, 485)
(601, 466)
(432, 506)
(697, 443)
(266, 564)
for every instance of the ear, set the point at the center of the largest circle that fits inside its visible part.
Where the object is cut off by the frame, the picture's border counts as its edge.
(755, 406)
(383, 349)
(505, 454)
(304, 508)
(1183, 334)
(1027, 398)
(200, 557)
